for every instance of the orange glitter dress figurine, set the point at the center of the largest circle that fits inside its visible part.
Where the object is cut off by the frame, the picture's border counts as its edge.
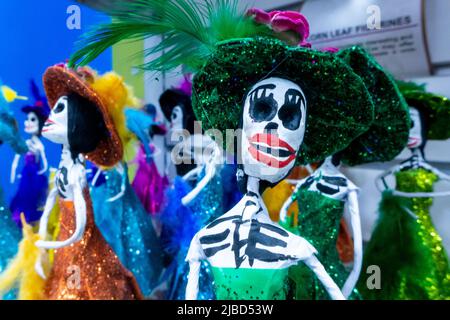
(85, 267)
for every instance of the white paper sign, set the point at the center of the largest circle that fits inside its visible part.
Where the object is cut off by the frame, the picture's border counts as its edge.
(391, 30)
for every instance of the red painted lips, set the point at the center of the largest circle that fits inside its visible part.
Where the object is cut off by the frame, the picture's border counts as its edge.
(270, 154)
(47, 124)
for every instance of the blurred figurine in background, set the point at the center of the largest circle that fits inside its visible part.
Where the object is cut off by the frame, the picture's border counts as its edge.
(324, 196)
(150, 182)
(33, 185)
(9, 232)
(405, 244)
(118, 212)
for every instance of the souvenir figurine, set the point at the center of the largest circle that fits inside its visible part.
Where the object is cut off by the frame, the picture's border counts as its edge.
(293, 103)
(85, 267)
(404, 244)
(324, 196)
(190, 208)
(118, 212)
(33, 184)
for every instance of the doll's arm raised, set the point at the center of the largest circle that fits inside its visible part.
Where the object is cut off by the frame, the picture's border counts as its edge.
(353, 209)
(14, 166)
(289, 201)
(194, 258)
(123, 185)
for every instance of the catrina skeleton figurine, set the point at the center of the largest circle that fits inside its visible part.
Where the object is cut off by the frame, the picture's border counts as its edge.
(32, 191)
(293, 104)
(323, 197)
(81, 123)
(416, 265)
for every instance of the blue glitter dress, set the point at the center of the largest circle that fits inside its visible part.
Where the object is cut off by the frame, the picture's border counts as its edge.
(10, 236)
(32, 192)
(128, 229)
(181, 223)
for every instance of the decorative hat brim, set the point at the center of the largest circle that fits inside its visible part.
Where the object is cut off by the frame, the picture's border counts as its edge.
(339, 107)
(388, 134)
(60, 81)
(436, 109)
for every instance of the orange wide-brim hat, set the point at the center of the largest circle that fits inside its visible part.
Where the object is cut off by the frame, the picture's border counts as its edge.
(60, 81)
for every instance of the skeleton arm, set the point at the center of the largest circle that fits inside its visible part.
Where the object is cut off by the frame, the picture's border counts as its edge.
(120, 169)
(43, 223)
(41, 150)
(78, 178)
(289, 201)
(194, 257)
(330, 286)
(14, 166)
(353, 208)
(211, 168)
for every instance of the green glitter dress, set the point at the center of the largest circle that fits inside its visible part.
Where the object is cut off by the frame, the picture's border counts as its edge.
(318, 222)
(412, 260)
(251, 284)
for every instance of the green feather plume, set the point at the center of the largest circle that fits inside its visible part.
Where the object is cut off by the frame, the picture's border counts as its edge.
(189, 30)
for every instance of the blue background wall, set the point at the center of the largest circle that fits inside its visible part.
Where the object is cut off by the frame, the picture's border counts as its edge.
(33, 36)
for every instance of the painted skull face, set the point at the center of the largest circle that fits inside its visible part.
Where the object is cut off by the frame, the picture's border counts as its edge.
(32, 123)
(415, 133)
(55, 128)
(273, 127)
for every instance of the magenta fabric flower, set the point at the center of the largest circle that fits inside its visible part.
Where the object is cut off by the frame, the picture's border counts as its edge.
(283, 21)
(330, 49)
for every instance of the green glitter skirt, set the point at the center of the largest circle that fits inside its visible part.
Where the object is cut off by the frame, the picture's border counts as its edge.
(406, 247)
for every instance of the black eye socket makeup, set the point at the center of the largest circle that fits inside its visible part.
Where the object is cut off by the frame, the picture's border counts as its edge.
(263, 107)
(290, 113)
(59, 108)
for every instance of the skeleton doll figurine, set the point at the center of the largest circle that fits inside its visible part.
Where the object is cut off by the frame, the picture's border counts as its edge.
(323, 197)
(33, 185)
(294, 104)
(81, 122)
(176, 106)
(416, 265)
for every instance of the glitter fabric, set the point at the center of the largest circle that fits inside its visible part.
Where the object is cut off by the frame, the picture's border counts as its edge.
(128, 229)
(88, 269)
(206, 207)
(409, 252)
(434, 107)
(59, 81)
(149, 185)
(318, 222)
(31, 193)
(388, 134)
(339, 107)
(251, 284)
(9, 240)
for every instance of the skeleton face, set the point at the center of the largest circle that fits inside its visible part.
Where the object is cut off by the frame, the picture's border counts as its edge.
(32, 123)
(273, 128)
(176, 125)
(415, 133)
(55, 128)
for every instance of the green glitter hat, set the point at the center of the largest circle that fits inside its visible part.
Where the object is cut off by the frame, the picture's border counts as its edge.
(434, 107)
(200, 36)
(339, 107)
(388, 134)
